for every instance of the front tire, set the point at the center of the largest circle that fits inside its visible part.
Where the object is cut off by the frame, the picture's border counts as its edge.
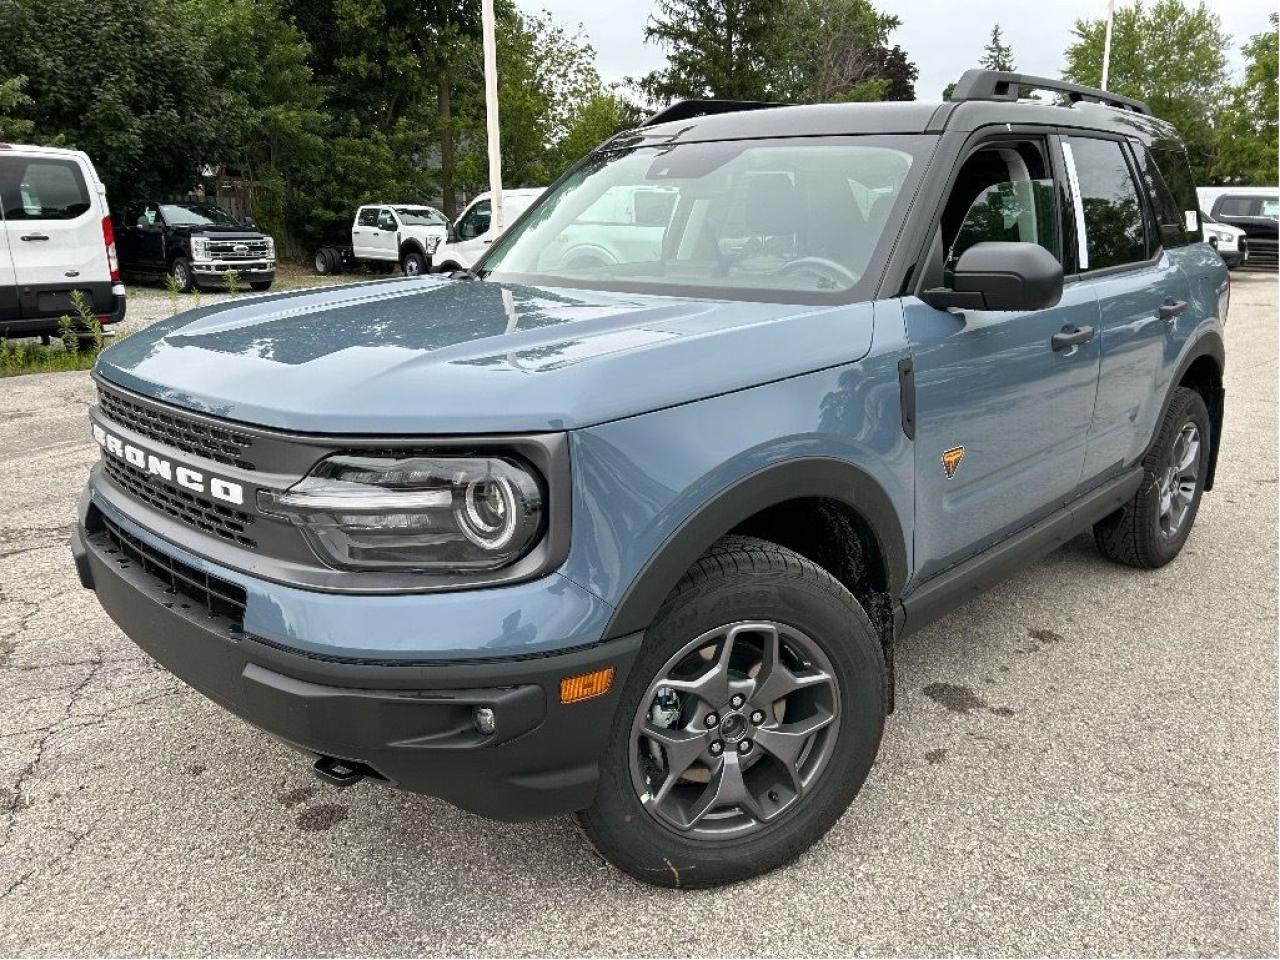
(182, 274)
(696, 792)
(260, 285)
(1151, 529)
(413, 264)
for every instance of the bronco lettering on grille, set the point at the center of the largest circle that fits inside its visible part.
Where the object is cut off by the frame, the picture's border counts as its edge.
(183, 476)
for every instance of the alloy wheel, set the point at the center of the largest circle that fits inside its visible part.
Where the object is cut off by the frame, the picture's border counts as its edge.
(735, 730)
(1177, 487)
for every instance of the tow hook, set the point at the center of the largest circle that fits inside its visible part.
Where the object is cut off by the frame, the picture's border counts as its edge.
(340, 773)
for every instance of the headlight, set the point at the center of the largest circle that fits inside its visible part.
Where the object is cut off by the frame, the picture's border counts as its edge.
(427, 513)
(199, 248)
(433, 243)
(271, 248)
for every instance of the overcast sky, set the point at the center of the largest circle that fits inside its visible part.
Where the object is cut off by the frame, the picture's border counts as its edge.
(942, 37)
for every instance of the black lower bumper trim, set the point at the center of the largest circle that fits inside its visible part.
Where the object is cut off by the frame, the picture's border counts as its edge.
(412, 725)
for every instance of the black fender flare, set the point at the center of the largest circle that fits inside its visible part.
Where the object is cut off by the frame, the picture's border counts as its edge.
(413, 244)
(801, 478)
(1208, 344)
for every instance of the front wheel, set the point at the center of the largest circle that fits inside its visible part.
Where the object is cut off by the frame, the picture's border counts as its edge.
(260, 285)
(748, 724)
(413, 264)
(183, 275)
(1150, 529)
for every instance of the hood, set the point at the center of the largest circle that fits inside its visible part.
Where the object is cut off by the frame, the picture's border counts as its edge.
(428, 355)
(221, 232)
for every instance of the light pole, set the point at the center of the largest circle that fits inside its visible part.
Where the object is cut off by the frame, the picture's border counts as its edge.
(1106, 44)
(491, 113)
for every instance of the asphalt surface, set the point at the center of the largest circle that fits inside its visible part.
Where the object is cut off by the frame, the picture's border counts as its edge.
(1082, 762)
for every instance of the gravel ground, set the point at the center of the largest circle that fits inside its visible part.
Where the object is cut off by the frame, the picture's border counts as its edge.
(1083, 762)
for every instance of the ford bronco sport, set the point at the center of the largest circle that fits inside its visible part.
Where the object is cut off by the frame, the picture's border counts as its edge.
(633, 536)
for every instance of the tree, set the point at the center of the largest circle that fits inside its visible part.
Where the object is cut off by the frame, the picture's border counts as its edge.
(722, 49)
(997, 55)
(1169, 54)
(840, 51)
(13, 103)
(1249, 135)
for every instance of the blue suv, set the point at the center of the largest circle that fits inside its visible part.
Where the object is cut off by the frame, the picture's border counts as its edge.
(626, 522)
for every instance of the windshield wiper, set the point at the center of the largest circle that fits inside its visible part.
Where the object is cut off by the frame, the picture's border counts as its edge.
(464, 273)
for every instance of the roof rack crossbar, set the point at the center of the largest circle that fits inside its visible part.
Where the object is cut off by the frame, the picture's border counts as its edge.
(998, 85)
(688, 109)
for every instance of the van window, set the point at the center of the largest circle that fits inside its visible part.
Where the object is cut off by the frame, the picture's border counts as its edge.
(1113, 220)
(474, 222)
(36, 188)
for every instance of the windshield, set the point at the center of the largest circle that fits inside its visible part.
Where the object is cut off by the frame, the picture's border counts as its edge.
(196, 215)
(420, 217)
(795, 220)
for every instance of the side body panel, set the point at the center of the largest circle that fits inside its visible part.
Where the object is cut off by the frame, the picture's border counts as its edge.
(637, 481)
(9, 307)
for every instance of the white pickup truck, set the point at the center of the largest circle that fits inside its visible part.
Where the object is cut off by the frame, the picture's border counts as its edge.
(388, 234)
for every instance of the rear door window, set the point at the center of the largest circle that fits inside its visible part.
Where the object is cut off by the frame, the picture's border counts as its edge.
(1171, 225)
(39, 188)
(1115, 232)
(368, 217)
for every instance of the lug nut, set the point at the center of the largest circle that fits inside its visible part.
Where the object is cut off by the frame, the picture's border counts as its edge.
(758, 717)
(737, 700)
(717, 748)
(744, 746)
(710, 719)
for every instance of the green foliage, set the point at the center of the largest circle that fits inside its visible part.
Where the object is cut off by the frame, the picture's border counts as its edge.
(1169, 54)
(13, 102)
(79, 342)
(803, 51)
(997, 55)
(1247, 151)
(231, 280)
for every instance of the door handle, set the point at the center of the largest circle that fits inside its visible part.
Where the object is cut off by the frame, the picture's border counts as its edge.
(1172, 309)
(1071, 336)
(35, 236)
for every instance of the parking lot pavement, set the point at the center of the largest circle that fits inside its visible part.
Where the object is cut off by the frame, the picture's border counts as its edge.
(1083, 761)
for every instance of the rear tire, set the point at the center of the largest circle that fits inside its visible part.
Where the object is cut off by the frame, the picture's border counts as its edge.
(794, 777)
(1151, 529)
(323, 264)
(182, 273)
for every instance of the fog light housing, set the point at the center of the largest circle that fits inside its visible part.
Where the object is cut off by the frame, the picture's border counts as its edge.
(485, 720)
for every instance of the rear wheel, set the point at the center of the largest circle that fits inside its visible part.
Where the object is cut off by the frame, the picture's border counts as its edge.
(747, 726)
(182, 274)
(1150, 529)
(413, 264)
(322, 263)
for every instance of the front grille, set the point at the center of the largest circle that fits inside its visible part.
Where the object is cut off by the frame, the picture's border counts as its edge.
(1262, 253)
(200, 512)
(226, 249)
(189, 588)
(221, 444)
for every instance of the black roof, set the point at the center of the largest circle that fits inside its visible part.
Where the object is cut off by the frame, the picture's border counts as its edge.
(982, 98)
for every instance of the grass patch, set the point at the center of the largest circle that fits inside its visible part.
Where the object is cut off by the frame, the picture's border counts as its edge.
(78, 344)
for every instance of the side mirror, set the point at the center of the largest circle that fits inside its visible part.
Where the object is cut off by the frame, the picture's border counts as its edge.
(250, 223)
(998, 275)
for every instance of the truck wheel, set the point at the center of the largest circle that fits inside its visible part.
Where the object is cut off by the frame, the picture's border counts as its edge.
(322, 263)
(413, 264)
(181, 271)
(747, 726)
(1151, 529)
(260, 285)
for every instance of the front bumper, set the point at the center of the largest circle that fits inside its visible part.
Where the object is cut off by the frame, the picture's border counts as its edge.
(208, 272)
(410, 723)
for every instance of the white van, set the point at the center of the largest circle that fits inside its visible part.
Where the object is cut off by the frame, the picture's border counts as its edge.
(55, 238)
(471, 235)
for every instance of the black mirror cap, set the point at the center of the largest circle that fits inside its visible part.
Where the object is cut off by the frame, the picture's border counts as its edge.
(999, 275)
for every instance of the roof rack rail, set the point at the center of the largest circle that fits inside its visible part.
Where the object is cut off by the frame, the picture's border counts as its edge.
(688, 109)
(997, 85)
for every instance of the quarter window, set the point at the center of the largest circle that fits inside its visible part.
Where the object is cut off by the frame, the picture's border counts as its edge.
(1113, 220)
(1170, 224)
(41, 189)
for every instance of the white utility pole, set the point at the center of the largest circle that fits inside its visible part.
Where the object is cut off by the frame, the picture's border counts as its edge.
(491, 113)
(1106, 44)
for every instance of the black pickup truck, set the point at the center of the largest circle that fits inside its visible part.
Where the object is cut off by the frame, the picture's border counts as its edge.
(197, 244)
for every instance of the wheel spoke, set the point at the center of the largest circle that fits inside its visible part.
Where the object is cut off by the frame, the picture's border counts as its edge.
(1189, 444)
(682, 748)
(775, 679)
(712, 685)
(786, 741)
(726, 788)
